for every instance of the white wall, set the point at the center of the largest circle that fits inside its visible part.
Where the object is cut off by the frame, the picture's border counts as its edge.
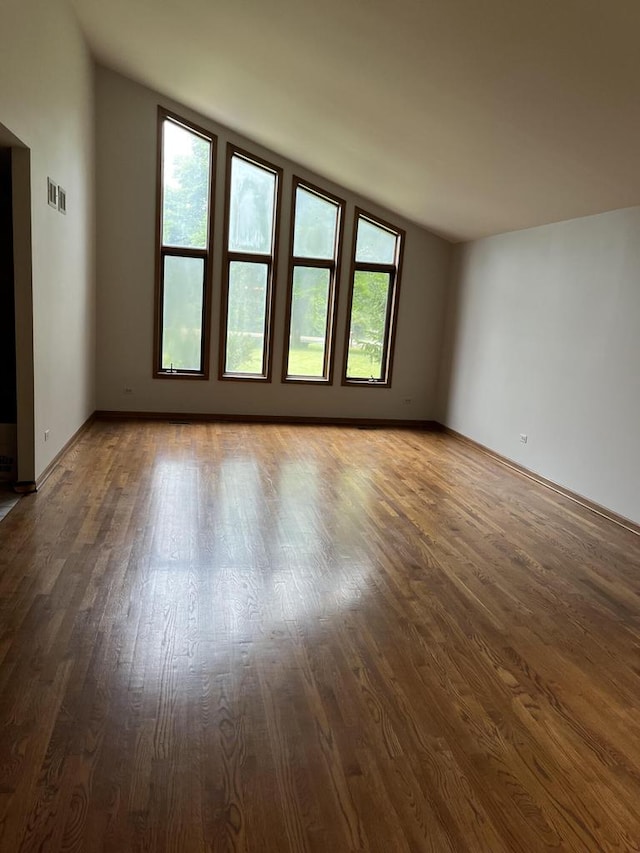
(126, 184)
(46, 100)
(543, 338)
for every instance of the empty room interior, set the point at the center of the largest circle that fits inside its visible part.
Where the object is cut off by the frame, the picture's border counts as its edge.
(320, 406)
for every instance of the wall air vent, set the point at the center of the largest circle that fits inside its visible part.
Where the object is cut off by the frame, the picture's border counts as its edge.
(52, 193)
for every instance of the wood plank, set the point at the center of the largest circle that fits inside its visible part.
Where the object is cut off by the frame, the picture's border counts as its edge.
(266, 637)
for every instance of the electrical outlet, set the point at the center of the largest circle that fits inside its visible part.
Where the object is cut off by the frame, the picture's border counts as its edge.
(128, 390)
(523, 437)
(46, 435)
(407, 401)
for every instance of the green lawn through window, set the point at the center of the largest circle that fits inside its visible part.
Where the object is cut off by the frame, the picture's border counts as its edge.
(307, 361)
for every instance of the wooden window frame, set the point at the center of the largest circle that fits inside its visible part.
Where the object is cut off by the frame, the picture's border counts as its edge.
(163, 251)
(271, 261)
(394, 271)
(333, 265)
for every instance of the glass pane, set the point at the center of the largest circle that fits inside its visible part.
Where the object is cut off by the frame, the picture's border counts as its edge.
(366, 358)
(182, 313)
(309, 306)
(185, 181)
(246, 318)
(315, 228)
(253, 197)
(375, 245)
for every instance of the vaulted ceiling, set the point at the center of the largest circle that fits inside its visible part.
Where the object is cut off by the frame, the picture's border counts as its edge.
(469, 118)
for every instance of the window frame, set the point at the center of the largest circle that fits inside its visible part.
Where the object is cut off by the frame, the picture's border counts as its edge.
(271, 260)
(334, 266)
(394, 271)
(163, 251)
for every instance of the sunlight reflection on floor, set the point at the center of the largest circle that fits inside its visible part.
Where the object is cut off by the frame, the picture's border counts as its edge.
(252, 540)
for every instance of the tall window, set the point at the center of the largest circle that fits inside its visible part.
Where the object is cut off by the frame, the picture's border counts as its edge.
(316, 237)
(186, 158)
(253, 188)
(373, 301)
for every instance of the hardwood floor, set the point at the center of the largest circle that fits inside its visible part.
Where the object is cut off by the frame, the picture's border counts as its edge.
(224, 637)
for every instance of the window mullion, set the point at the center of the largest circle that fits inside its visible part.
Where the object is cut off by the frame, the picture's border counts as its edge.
(177, 252)
(364, 266)
(249, 258)
(318, 263)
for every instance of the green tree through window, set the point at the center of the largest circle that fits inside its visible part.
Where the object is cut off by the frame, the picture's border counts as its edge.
(182, 298)
(317, 219)
(374, 290)
(252, 204)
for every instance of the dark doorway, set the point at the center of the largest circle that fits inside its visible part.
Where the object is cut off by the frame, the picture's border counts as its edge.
(8, 382)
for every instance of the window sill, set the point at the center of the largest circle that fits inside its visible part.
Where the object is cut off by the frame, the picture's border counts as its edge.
(178, 374)
(366, 383)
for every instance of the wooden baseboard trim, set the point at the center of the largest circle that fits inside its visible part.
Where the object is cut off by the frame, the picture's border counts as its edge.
(598, 509)
(107, 415)
(41, 480)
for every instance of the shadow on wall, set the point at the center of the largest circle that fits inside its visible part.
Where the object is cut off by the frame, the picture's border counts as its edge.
(450, 334)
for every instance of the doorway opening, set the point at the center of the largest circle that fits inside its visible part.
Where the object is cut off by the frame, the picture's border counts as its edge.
(8, 380)
(17, 416)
